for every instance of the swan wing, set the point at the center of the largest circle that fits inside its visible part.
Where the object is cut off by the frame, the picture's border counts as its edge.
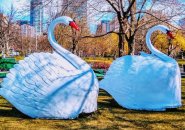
(43, 85)
(144, 83)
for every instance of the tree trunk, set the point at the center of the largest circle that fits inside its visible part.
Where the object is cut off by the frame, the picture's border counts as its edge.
(6, 45)
(121, 34)
(114, 56)
(131, 46)
(74, 43)
(120, 46)
(131, 41)
(169, 47)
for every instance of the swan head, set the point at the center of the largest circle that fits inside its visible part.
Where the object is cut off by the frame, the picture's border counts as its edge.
(69, 22)
(166, 30)
(153, 50)
(169, 33)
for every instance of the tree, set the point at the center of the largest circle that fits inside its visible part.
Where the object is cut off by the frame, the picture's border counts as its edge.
(76, 11)
(122, 12)
(167, 45)
(164, 14)
(8, 30)
(135, 15)
(134, 18)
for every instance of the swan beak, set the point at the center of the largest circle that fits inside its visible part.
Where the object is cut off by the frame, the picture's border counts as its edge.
(169, 33)
(73, 25)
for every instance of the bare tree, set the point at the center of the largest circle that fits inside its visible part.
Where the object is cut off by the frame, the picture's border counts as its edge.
(147, 18)
(8, 30)
(133, 16)
(76, 10)
(122, 13)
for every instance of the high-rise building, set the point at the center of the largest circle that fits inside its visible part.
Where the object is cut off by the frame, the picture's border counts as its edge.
(26, 29)
(104, 27)
(36, 15)
(78, 7)
(21, 22)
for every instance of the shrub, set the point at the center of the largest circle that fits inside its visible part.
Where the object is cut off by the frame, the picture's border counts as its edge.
(7, 63)
(100, 65)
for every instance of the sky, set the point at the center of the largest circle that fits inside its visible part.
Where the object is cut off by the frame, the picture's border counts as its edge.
(20, 4)
(6, 4)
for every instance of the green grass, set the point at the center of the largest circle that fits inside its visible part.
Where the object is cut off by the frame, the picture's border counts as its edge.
(108, 116)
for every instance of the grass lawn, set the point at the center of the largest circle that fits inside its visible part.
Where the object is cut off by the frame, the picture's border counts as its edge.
(109, 116)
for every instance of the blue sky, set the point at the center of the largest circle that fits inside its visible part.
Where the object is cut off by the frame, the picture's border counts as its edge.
(5, 5)
(19, 4)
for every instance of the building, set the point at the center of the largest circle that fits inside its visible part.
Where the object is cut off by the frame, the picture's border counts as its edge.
(79, 7)
(21, 22)
(54, 8)
(36, 15)
(103, 27)
(107, 26)
(26, 29)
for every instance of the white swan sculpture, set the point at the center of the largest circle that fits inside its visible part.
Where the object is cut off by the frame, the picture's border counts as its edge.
(55, 86)
(145, 82)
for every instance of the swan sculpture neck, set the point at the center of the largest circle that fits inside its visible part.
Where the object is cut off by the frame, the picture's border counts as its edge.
(149, 43)
(51, 37)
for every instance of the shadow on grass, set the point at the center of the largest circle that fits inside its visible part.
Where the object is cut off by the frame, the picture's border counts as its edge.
(110, 115)
(111, 103)
(183, 95)
(107, 102)
(87, 115)
(12, 113)
(15, 113)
